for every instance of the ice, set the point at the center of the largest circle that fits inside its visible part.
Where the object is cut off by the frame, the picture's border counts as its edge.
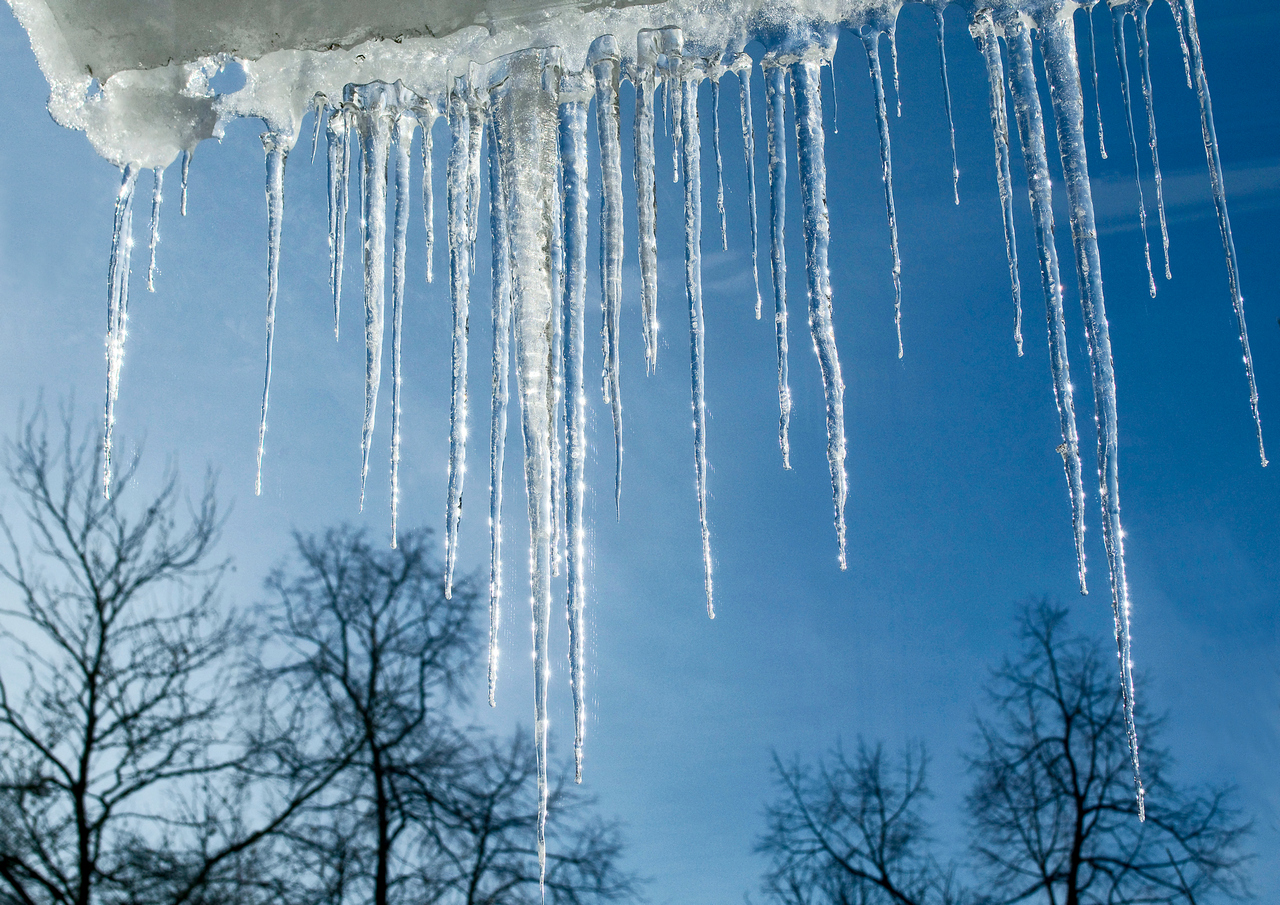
(742, 66)
(157, 185)
(1093, 75)
(604, 59)
(775, 98)
(984, 34)
(1117, 25)
(460, 245)
(871, 40)
(277, 149)
(946, 97)
(1030, 118)
(574, 92)
(464, 60)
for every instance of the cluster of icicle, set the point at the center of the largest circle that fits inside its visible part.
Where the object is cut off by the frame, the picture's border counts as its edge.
(531, 111)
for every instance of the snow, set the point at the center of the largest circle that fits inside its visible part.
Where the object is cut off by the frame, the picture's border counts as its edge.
(138, 80)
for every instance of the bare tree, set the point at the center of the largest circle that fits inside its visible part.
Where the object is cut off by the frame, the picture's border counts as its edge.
(850, 832)
(1053, 809)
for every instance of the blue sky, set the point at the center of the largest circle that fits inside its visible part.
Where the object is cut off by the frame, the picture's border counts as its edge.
(957, 507)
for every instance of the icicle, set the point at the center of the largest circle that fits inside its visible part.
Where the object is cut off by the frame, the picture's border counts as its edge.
(946, 97)
(1117, 24)
(427, 118)
(672, 48)
(1059, 50)
(573, 156)
(1093, 72)
(775, 95)
(460, 208)
(893, 56)
(277, 148)
(715, 141)
(1144, 57)
(1175, 7)
(871, 39)
(646, 204)
(1030, 119)
(1220, 201)
(555, 370)
(374, 129)
(692, 166)
(742, 65)
(525, 127)
(498, 422)
(475, 126)
(404, 139)
(117, 310)
(603, 58)
(339, 157)
(806, 81)
(156, 190)
(990, 48)
(186, 171)
(835, 101)
(318, 106)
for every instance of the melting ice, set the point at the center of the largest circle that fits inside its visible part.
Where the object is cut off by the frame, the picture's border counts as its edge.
(524, 88)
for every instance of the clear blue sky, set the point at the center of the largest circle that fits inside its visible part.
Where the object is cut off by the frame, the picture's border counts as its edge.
(957, 508)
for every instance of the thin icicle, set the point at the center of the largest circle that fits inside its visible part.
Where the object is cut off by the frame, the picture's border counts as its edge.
(806, 82)
(525, 128)
(573, 157)
(427, 118)
(835, 101)
(1175, 7)
(374, 129)
(692, 166)
(946, 97)
(742, 65)
(1030, 119)
(672, 48)
(604, 63)
(1093, 73)
(646, 204)
(318, 105)
(1144, 57)
(157, 186)
(990, 49)
(775, 99)
(1063, 71)
(475, 126)
(1117, 23)
(277, 148)
(460, 245)
(555, 371)
(339, 157)
(892, 34)
(1220, 202)
(404, 139)
(715, 141)
(501, 381)
(186, 171)
(871, 40)
(117, 310)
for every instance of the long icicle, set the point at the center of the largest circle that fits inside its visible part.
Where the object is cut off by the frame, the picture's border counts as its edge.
(573, 157)
(1059, 50)
(277, 148)
(405, 124)
(742, 66)
(157, 187)
(775, 94)
(339, 159)
(806, 81)
(1093, 73)
(1148, 96)
(1122, 59)
(427, 118)
(186, 172)
(117, 310)
(1175, 7)
(475, 131)
(1030, 119)
(990, 49)
(500, 242)
(715, 142)
(604, 58)
(672, 47)
(374, 128)
(871, 40)
(460, 204)
(1220, 202)
(946, 97)
(646, 202)
(691, 160)
(525, 127)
